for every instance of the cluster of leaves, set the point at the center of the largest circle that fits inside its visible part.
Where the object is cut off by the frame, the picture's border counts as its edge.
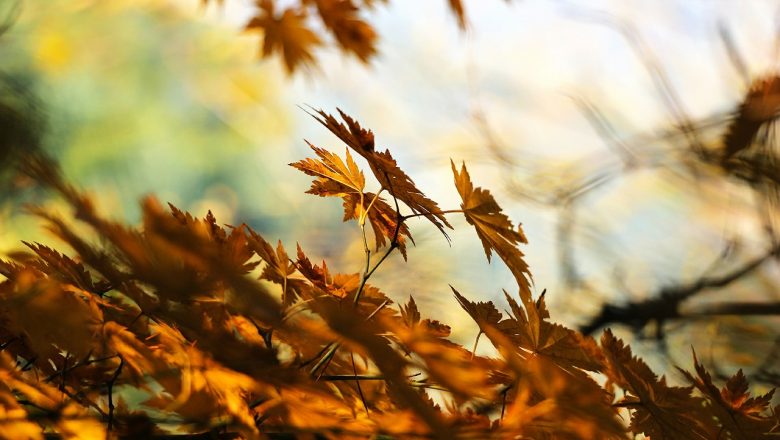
(182, 324)
(291, 33)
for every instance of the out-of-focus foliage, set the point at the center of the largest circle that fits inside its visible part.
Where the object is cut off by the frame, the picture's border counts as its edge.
(289, 31)
(188, 325)
(225, 336)
(152, 84)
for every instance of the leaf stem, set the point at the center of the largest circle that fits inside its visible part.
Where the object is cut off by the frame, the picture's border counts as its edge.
(111, 393)
(476, 341)
(420, 214)
(357, 382)
(393, 243)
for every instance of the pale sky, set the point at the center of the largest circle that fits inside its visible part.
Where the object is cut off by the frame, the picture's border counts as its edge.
(520, 64)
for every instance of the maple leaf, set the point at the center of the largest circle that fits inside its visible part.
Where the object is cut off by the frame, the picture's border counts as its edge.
(457, 8)
(232, 247)
(352, 33)
(65, 268)
(446, 363)
(136, 356)
(66, 318)
(319, 276)
(484, 314)
(334, 177)
(287, 35)
(364, 336)
(383, 166)
(13, 417)
(759, 106)
(548, 401)
(739, 414)
(409, 312)
(530, 330)
(481, 312)
(345, 180)
(411, 318)
(279, 267)
(494, 228)
(658, 410)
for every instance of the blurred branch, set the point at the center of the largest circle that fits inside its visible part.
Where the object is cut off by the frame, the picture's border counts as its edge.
(665, 305)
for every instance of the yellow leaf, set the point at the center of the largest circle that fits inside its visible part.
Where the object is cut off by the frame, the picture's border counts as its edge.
(493, 227)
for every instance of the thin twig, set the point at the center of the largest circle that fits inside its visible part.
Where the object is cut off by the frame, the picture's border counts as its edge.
(393, 242)
(357, 382)
(381, 306)
(111, 382)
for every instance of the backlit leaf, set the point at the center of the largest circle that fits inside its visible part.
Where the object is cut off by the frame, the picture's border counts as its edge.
(494, 228)
(287, 35)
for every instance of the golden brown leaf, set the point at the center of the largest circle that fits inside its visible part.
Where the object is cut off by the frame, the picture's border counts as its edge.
(494, 228)
(759, 106)
(345, 180)
(279, 268)
(384, 167)
(382, 217)
(287, 35)
(741, 416)
(14, 424)
(63, 267)
(352, 33)
(66, 319)
(551, 403)
(481, 312)
(457, 8)
(334, 177)
(530, 330)
(658, 410)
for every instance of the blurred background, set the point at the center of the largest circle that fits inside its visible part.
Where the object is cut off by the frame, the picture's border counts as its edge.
(580, 116)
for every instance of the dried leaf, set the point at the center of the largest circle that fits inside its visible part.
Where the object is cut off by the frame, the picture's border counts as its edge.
(352, 34)
(530, 330)
(287, 35)
(457, 8)
(481, 312)
(494, 228)
(345, 180)
(658, 410)
(740, 415)
(384, 167)
(759, 106)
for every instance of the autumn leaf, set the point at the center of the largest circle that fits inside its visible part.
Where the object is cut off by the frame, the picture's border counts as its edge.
(334, 177)
(287, 35)
(740, 415)
(345, 180)
(457, 8)
(279, 268)
(481, 312)
(658, 410)
(364, 336)
(549, 402)
(384, 167)
(530, 330)
(409, 312)
(66, 319)
(66, 269)
(494, 228)
(317, 275)
(759, 106)
(13, 417)
(352, 33)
